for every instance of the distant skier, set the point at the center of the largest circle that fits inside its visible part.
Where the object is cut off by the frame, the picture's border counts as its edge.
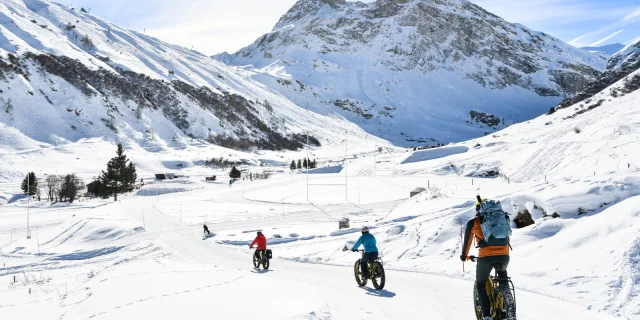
(206, 230)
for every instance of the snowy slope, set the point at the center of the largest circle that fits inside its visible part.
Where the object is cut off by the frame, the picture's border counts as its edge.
(619, 67)
(412, 71)
(579, 164)
(141, 258)
(598, 135)
(144, 256)
(609, 49)
(66, 75)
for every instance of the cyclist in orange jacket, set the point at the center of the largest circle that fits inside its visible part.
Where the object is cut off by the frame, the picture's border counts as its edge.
(489, 256)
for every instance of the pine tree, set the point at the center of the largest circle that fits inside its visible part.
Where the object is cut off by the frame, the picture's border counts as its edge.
(305, 164)
(293, 165)
(314, 164)
(235, 173)
(120, 176)
(71, 186)
(299, 164)
(30, 184)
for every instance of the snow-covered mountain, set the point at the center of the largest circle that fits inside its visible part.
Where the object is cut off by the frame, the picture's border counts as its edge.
(416, 70)
(609, 49)
(66, 75)
(620, 66)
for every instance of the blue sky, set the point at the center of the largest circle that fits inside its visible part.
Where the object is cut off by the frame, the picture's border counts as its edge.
(213, 26)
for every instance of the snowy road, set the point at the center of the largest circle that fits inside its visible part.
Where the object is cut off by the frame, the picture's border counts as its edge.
(310, 291)
(87, 268)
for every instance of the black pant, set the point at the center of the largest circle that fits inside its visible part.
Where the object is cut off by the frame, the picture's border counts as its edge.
(483, 271)
(257, 253)
(368, 256)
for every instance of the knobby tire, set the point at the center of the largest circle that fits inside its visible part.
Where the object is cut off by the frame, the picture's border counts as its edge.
(509, 302)
(378, 278)
(356, 271)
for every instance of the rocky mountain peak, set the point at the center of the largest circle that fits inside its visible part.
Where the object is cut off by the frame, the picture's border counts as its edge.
(629, 55)
(436, 60)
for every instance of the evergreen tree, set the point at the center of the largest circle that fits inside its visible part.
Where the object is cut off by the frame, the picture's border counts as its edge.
(314, 164)
(30, 184)
(293, 165)
(71, 187)
(305, 164)
(235, 173)
(299, 164)
(120, 176)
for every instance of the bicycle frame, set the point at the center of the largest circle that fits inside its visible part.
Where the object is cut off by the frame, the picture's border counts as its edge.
(370, 263)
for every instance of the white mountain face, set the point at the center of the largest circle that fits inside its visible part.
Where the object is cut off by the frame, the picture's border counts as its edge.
(609, 49)
(66, 75)
(413, 71)
(621, 66)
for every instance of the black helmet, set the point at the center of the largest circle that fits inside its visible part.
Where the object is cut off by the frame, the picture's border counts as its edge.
(259, 232)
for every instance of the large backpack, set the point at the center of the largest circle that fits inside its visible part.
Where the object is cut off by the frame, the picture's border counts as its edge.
(495, 224)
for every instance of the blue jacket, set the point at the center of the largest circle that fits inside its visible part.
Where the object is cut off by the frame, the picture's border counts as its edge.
(369, 242)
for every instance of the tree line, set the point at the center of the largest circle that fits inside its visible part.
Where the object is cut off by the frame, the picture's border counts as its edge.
(57, 188)
(306, 164)
(120, 177)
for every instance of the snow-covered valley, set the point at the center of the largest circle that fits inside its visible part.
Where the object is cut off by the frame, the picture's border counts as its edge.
(144, 255)
(65, 105)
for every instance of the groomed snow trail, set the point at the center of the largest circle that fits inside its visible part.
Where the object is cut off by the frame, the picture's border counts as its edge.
(141, 258)
(304, 290)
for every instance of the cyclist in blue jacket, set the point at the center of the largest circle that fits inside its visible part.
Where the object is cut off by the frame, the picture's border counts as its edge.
(370, 250)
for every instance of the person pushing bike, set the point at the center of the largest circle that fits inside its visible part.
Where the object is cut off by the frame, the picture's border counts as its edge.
(493, 250)
(370, 250)
(261, 240)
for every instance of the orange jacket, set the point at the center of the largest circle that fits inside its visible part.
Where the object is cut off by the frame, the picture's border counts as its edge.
(474, 231)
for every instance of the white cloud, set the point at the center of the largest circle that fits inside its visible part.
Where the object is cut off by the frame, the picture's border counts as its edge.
(605, 39)
(576, 42)
(632, 16)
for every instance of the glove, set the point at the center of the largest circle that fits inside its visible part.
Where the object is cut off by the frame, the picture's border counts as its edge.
(463, 257)
(354, 250)
(250, 247)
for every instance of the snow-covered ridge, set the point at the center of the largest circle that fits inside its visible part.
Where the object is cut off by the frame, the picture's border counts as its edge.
(66, 75)
(619, 67)
(609, 49)
(412, 71)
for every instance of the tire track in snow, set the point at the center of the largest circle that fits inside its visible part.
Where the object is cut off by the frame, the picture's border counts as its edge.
(165, 295)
